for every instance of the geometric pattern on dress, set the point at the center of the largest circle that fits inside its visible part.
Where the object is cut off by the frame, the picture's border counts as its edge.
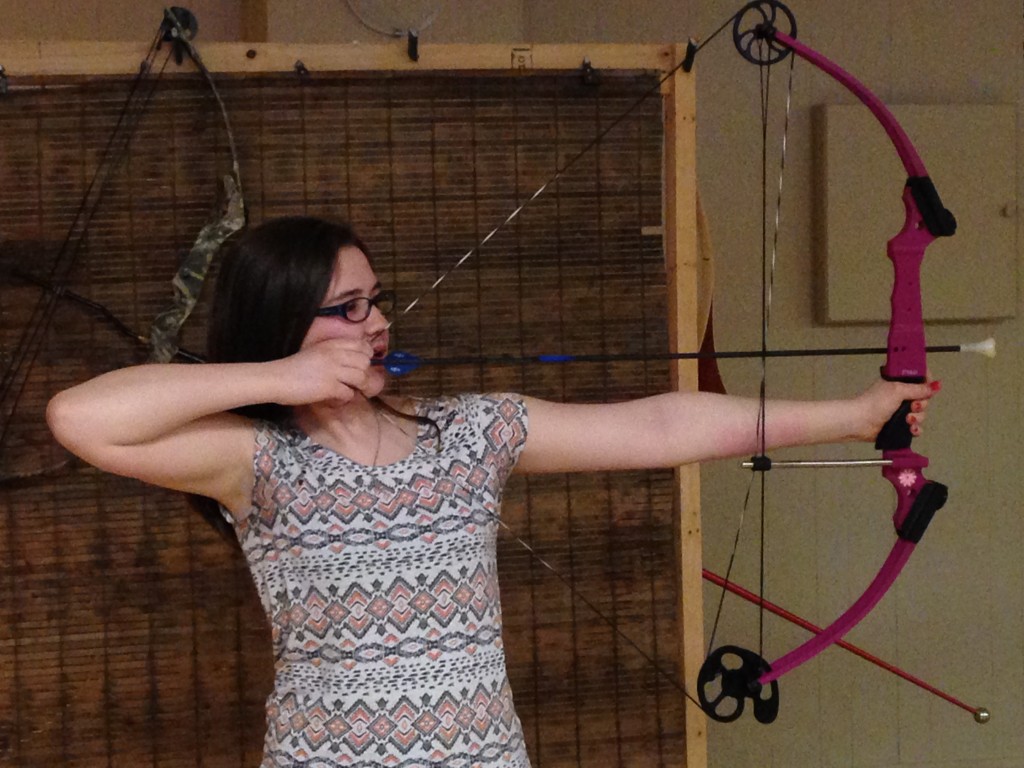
(337, 539)
(380, 586)
(383, 607)
(394, 649)
(508, 754)
(464, 719)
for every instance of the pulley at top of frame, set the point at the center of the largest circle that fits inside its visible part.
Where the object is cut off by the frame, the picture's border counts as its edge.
(754, 27)
(188, 23)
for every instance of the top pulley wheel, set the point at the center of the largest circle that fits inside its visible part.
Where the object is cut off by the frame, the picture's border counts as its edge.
(754, 30)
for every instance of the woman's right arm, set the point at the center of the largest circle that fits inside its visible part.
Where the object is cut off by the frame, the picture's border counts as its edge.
(170, 425)
(167, 425)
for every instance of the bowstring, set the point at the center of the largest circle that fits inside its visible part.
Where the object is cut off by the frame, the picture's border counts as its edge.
(574, 591)
(769, 260)
(767, 282)
(560, 171)
(554, 179)
(766, 311)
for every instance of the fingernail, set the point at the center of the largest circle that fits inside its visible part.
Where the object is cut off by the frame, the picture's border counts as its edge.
(935, 385)
(915, 406)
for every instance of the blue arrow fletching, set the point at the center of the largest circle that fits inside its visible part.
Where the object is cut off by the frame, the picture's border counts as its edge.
(399, 363)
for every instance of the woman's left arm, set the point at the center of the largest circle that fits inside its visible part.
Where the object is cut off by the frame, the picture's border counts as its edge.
(683, 427)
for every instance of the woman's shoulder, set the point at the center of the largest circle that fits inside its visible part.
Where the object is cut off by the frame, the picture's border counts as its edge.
(272, 437)
(492, 418)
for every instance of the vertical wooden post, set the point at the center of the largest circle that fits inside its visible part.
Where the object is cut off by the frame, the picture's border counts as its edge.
(681, 263)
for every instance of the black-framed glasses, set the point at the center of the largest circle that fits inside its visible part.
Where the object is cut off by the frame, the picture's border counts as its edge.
(358, 309)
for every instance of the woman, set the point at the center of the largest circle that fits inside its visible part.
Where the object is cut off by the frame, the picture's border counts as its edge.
(369, 521)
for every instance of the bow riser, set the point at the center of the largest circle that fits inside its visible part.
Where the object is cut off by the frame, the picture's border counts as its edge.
(905, 358)
(905, 476)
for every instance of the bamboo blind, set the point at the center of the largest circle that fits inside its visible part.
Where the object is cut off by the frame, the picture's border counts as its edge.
(130, 634)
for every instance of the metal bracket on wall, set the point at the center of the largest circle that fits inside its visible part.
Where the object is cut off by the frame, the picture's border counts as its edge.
(522, 58)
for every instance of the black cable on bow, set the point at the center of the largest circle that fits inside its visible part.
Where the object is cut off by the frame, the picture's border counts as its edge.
(15, 376)
(176, 29)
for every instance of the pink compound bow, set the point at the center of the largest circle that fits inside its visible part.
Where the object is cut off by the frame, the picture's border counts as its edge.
(730, 675)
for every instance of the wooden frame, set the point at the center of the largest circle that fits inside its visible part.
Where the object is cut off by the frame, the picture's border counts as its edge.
(682, 266)
(45, 59)
(37, 64)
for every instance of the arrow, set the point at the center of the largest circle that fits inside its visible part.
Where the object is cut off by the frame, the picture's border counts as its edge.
(399, 363)
(981, 715)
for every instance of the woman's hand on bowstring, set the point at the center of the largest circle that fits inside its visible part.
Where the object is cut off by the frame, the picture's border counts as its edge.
(332, 370)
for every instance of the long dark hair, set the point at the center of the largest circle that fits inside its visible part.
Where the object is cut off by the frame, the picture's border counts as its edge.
(270, 285)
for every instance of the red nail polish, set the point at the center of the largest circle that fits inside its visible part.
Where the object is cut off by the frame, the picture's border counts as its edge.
(935, 385)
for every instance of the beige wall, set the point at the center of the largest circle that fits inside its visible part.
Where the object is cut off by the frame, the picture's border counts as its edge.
(957, 616)
(323, 21)
(110, 20)
(607, 21)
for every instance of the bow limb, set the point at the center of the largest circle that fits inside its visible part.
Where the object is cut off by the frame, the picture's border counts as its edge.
(981, 714)
(709, 378)
(188, 280)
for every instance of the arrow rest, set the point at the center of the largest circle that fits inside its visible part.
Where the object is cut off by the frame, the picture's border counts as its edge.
(728, 677)
(755, 40)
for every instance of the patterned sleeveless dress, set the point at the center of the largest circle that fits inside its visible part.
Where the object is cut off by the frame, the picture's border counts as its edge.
(381, 588)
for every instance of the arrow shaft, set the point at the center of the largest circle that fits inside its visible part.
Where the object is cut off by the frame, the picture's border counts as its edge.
(415, 362)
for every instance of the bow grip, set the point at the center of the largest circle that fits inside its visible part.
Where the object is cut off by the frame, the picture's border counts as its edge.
(895, 433)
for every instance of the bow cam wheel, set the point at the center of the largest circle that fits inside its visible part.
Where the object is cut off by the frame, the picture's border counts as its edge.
(754, 29)
(728, 677)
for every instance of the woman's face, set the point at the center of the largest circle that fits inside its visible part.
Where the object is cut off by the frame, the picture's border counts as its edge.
(354, 279)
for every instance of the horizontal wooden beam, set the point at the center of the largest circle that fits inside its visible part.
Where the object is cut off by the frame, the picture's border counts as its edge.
(46, 59)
